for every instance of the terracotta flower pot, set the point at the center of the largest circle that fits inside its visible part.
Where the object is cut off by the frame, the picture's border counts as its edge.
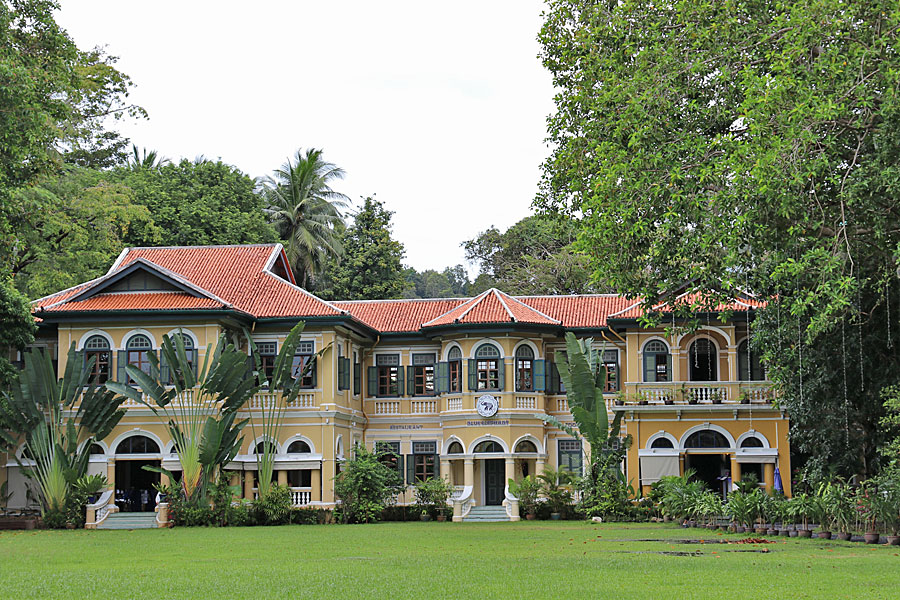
(844, 536)
(739, 529)
(893, 540)
(804, 533)
(531, 516)
(441, 518)
(793, 533)
(824, 535)
(760, 530)
(784, 532)
(871, 537)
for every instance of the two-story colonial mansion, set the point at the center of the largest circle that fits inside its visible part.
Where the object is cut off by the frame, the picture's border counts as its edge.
(452, 386)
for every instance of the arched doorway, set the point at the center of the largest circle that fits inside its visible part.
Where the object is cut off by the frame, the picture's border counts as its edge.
(135, 491)
(706, 453)
(703, 361)
(494, 472)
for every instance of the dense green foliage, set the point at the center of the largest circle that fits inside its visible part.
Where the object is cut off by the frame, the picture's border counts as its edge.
(369, 267)
(558, 559)
(68, 228)
(306, 212)
(196, 203)
(364, 487)
(452, 282)
(744, 146)
(533, 257)
(16, 327)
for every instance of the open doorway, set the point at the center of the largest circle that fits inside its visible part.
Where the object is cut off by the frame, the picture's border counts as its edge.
(134, 485)
(712, 469)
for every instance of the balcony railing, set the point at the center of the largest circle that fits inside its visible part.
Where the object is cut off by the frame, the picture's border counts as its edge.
(300, 496)
(454, 403)
(693, 392)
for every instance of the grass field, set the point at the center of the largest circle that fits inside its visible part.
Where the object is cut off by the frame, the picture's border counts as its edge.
(438, 560)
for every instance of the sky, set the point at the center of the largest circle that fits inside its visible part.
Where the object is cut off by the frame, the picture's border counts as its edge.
(438, 109)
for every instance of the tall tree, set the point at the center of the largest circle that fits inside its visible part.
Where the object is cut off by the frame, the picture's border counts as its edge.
(744, 146)
(68, 228)
(16, 328)
(452, 282)
(196, 203)
(370, 266)
(306, 212)
(534, 256)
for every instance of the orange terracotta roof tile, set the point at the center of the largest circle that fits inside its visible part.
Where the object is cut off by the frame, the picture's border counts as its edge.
(138, 301)
(398, 316)
(634, 310)
(492, 306)
(578, 311)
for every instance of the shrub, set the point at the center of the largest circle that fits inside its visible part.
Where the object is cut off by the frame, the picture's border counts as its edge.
(238, 516)
(275, 507)
(527, 492)
(432, 496)
(307, 516)
(363, 487)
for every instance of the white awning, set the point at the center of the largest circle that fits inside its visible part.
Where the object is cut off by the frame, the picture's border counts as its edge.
(653, 468)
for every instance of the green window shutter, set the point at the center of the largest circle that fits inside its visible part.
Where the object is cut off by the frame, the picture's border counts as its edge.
(314, 371)
(443, 378)
(342, 374)
(164, 369)
(347, 367)
(410, 469)
(410, 380)
(539, 377)
(357, 378)
(400, 466)
(400, 381)
(552, 378)
(372, 375)
(668, 367)
(195, 359)
(501, 373)
(473, 375)
(121, 361)
(437, 465)
(649, 367)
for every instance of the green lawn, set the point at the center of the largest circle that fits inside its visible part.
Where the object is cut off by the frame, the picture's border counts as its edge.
(437, 560)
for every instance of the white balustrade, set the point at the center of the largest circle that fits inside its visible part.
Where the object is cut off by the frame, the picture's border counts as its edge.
(457, 492)
(423, 407)
(305, 401)
(526, 402)
(390, 407)
(656, 395)
(300, 496)
(562, 404)
(454, 403)
(707, 394)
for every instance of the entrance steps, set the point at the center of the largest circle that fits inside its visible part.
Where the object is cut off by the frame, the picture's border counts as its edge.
(129, 520)
(486, 514)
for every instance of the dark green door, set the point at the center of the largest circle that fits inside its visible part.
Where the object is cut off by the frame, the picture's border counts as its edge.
(494, 472)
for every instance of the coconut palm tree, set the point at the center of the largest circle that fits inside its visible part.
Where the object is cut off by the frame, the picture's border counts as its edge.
(149, 160)
(306, 212)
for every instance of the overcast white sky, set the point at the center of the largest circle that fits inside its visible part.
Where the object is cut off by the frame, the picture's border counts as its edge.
(437, 108)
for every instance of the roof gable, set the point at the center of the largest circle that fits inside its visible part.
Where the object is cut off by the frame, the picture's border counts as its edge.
(492, 306)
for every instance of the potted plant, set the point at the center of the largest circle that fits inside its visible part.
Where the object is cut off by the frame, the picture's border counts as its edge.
(838, 509)
(758, 501)
(432, 495)
(867, 501)
(803, 508)
(558, 495)
(620, 398)
(884, 503)
(527, 492)
(738, 509)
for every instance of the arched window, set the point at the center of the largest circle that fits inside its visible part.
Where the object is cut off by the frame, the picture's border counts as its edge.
(97, 347)
(299, 447)
(190, 353)
(137, 444)
(304, 364)
(662, 442)
(524, 369)
(488, 446)
(96, 449)
(273, 449)
(703, 360)
(708, 438)
(657, 362)
(455, 448)
(751, 442)
(488, 368)
(138, 352)
(454, 369)
(749, 366)
(526, 446)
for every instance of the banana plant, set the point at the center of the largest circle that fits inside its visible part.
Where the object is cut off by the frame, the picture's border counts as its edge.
(583, 374)
(59, 419)
(198, 407)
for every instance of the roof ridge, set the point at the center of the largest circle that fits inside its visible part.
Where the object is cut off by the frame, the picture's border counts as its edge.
(475, 301)
(543, 314)
(308, 293)
(373, 300)
(499, 296)
(609, 295)
(68, 289)
(261, 245)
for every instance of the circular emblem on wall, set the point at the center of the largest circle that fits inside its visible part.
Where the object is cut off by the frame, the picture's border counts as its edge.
(487, 405)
